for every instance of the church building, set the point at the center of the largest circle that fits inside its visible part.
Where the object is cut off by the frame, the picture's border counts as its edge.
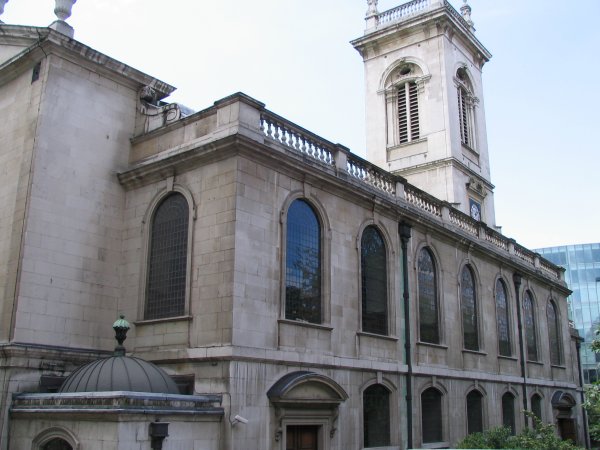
(278, 291)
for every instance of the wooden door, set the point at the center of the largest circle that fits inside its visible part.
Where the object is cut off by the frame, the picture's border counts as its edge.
(302, 437)
(566, 428)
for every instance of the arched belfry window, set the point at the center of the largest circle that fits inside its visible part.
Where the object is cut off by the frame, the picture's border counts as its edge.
(468, 301)
(403, 86)
(429, 329)
(376, 416)
(530, 327)
(466, 101)
(168, 259)
(374, 282)
(303, 264)
(474, 412)
(431, 416)
(553, 333)
(502, 320)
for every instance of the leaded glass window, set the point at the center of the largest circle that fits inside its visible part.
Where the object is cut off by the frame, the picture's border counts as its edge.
(428, 298)
(502, 318)
(303, 264)
(431, 415)
(536, 405)
(167, 268)
(530, 329)
(374, 282)
(508, 412)
(553, 334)
(474, 412)
(468, 300)
(376, 416)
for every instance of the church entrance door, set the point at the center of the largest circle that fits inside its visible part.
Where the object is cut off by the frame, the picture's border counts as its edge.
(302, 437)
(566, 428)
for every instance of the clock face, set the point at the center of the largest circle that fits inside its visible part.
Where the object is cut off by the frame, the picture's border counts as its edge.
(475, 210)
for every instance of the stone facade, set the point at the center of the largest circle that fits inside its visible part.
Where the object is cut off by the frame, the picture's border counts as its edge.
(88, 154)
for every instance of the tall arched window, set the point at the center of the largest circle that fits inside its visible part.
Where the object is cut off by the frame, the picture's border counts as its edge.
(536, 405)
(374, 282)
(428, 298)
(167, 266)
(465, 108)
(303, 264)
(474, 412)
(502, 318)
(376, 416)
(508, 411)
(553, 333)
(57, 444)
(431, 416)
(468, 301)
(530, 328)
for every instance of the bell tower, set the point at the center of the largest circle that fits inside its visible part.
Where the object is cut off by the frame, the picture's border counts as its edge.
(425, 118)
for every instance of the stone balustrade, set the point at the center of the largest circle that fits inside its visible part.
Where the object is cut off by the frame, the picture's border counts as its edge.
(400, 12)
(396, 188)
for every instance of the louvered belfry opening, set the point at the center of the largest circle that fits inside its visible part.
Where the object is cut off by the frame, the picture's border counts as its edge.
(408, 112)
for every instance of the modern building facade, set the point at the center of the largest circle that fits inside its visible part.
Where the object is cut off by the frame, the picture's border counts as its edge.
(300, 296)
(582, 274)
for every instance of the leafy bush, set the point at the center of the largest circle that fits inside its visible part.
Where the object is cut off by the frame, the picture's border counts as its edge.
(541, 437)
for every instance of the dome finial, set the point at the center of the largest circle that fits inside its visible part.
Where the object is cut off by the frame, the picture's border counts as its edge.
(121, 326)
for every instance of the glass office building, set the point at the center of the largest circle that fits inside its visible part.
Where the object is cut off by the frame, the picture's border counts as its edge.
(582, 264)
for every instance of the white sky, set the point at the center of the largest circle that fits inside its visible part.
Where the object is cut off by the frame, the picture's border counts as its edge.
(541, 87)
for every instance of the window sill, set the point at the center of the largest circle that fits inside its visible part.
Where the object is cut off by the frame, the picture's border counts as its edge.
(138, 323)
(558, 366)
(537, 363)
(406, 144)
(468, 148)
(300, 323)
(431, 344)
(510, 358)
(474, 352)
(377, 336)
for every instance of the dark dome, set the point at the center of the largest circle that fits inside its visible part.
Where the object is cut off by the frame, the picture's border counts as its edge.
(120, 373)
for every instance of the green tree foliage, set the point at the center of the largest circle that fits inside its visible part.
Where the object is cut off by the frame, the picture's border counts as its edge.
(592, 396)
(541, 437)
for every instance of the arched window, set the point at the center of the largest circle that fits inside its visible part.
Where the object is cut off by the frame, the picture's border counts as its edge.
(508, 411)
(468, 301)
(465, 108)
(374, 282)
(428, 298)
(431, 416)
(474, 412)
(536, 405)
(57, 444)
(376, 416)
(408, 112)
(504, 342)
(553, 333)
(167, 268)
(303, 264)
(530, 328)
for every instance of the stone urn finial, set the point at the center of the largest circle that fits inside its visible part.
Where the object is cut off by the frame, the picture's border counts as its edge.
(121, 327)
(62, 10)
(465, 9)
(372, 9)
(2, 3)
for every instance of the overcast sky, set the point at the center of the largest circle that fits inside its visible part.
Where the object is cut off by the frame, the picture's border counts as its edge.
(541, 87)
